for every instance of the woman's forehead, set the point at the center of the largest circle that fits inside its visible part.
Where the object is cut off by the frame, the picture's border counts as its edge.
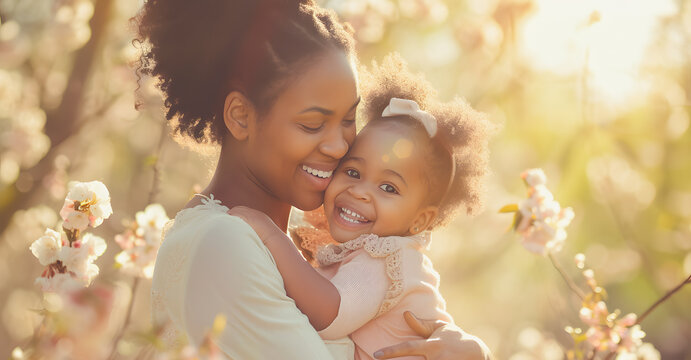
(328, 82)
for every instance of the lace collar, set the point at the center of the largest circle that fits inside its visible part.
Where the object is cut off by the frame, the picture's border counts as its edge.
(374, 245)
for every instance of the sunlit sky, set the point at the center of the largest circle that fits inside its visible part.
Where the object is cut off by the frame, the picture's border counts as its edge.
(558, 34)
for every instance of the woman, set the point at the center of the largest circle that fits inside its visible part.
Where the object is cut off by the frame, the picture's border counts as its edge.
(273, 83)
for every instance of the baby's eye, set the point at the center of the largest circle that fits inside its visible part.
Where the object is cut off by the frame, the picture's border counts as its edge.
(388, 188)
(352, 173)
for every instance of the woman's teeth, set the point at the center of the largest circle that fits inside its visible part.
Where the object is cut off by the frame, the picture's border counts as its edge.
(352, 216)
(317, 173)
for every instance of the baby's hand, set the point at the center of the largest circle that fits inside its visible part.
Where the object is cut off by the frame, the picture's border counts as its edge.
(260, 222)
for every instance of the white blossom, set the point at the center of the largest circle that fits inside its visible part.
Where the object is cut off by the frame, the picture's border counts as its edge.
(67, 264)
(76, 220)
(80, 257)
(91, 198)
(647, 352)
(58, 283)
(150, 223)
(47, 247)
(534, 177)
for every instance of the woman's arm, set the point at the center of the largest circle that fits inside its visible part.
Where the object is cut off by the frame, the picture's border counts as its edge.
(443, 342)
(314, 295)
(230, 273)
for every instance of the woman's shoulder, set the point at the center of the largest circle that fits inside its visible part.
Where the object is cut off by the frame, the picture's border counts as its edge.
(207, 217)
(209, 227)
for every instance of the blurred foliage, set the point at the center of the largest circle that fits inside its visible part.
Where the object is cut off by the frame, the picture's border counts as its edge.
(597, 93)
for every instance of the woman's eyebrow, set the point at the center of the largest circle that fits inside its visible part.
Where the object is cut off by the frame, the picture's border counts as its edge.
(324, 111)
(317, 109)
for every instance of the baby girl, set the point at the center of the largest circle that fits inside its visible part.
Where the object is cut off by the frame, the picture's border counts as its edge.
(413, 164)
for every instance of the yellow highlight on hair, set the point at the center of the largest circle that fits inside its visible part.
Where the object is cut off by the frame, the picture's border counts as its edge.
(402, 148)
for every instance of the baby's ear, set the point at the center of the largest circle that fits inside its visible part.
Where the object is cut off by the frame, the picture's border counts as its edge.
(423, 219)
(238, 115)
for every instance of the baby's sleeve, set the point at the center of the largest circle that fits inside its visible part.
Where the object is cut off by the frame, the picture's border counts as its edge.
(362, 283)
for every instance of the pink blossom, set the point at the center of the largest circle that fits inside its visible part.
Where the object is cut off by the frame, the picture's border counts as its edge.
(542, 220)
(141, 242)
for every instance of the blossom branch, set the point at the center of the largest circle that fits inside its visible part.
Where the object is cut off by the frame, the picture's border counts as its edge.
(593, 354)
(113, 351)
(663, 299)
(652, 307)
(152, 194)
(157, 169)
(566, 278)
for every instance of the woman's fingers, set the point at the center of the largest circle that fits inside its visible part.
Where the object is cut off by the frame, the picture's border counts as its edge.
(408, 348)
(422, 327)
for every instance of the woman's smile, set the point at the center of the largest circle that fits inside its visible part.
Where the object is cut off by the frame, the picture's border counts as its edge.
(318, 176)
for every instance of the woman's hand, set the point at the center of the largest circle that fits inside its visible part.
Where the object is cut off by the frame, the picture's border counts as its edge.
(260, 222)
(444, 342)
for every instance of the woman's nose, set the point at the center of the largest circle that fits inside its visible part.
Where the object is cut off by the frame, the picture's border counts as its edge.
(334, 144)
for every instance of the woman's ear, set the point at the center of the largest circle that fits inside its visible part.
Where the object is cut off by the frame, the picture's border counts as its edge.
(423, 219)
(238, 115)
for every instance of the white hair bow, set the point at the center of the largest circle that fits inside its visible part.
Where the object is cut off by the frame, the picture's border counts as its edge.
(411, 108)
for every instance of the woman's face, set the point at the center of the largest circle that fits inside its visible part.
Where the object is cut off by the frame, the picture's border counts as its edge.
(298, 144)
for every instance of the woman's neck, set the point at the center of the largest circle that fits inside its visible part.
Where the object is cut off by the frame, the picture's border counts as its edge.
(234, 185)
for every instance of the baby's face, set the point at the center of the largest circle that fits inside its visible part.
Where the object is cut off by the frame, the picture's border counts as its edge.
(380, 185)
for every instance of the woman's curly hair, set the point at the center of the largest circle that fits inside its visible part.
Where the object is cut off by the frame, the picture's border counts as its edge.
(200, 50)
(462, 135)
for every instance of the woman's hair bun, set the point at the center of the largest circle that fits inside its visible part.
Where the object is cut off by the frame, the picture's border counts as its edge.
(200, 50)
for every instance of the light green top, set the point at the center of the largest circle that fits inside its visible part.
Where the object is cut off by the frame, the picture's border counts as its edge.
(211, 263)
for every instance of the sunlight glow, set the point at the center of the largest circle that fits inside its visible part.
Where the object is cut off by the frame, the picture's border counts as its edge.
(561, 36)
(402, 148)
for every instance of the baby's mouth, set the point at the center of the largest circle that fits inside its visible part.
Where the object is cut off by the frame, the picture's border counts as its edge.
(351, 216)
(318, 173)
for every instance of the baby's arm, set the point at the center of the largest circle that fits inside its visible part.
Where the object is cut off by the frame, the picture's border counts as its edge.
(314, 295)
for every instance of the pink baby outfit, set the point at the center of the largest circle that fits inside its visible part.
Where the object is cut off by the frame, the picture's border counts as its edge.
(378, 279)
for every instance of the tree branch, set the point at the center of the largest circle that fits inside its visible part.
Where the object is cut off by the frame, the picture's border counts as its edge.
(65, 120)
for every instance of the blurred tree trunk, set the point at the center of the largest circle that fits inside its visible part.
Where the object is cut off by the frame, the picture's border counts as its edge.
(64, 121)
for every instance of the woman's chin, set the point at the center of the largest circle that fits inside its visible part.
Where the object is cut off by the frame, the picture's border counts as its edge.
(309, 202)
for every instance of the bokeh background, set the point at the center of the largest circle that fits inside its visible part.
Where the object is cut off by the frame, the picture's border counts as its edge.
(595, 92)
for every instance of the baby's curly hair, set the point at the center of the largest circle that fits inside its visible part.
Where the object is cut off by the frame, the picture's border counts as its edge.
(202, 50)
(462, 135)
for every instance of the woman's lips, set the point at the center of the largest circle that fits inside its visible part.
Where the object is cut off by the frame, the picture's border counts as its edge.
(320, 179)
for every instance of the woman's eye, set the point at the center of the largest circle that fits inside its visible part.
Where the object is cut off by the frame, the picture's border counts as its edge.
(311, 128)
(348, 122)
(352, 173)
(388, 188)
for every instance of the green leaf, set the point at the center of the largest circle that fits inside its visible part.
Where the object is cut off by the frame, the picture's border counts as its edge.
(509, 208)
